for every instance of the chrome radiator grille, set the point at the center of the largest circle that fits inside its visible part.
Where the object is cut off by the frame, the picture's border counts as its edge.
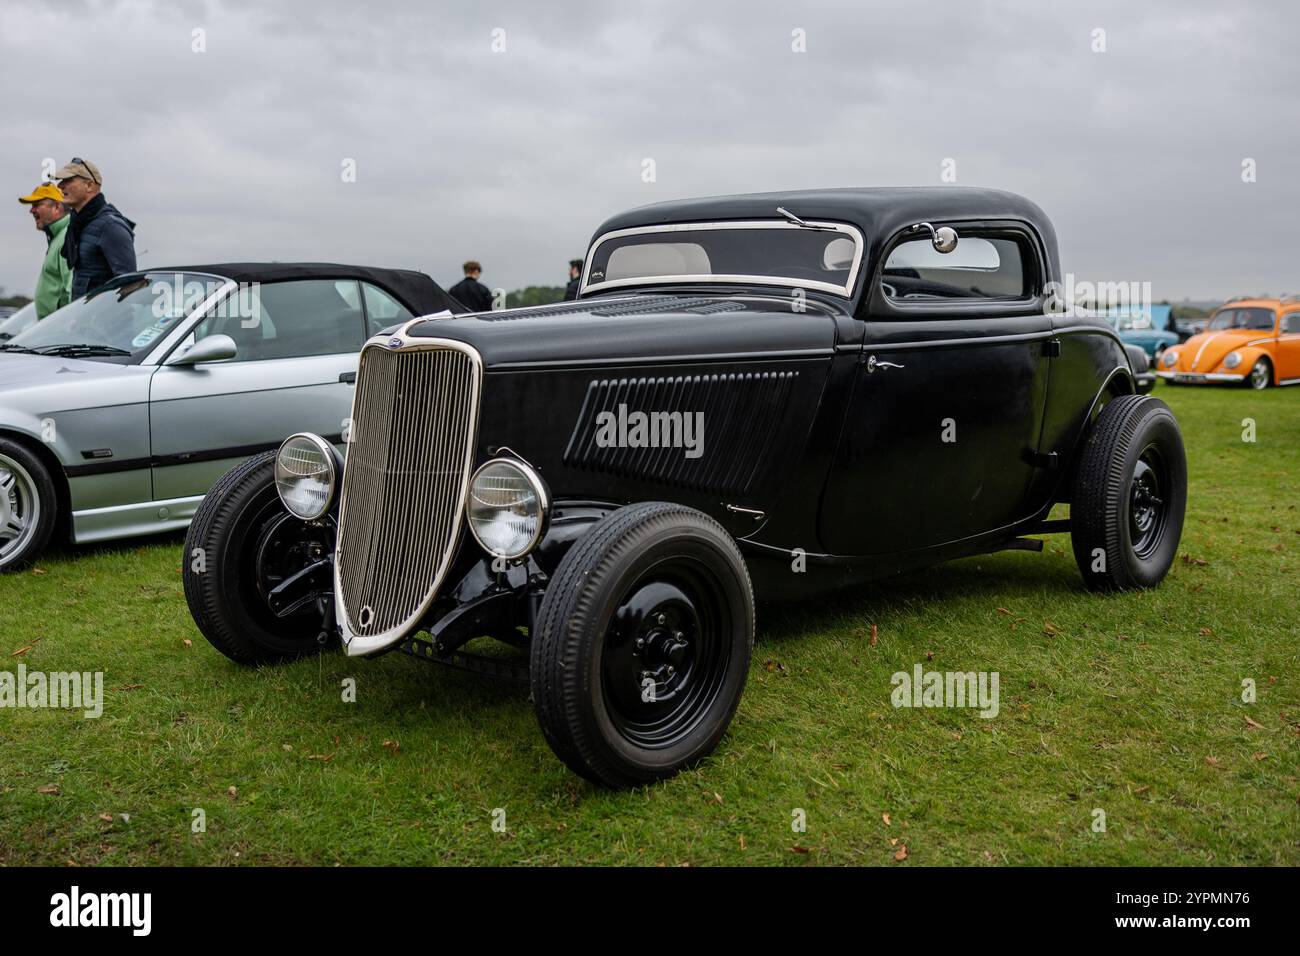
(414, 424)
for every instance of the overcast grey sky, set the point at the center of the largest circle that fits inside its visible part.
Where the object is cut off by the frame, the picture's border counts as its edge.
(514, 157)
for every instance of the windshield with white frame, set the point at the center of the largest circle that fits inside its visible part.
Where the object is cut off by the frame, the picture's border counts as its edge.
(747, 253)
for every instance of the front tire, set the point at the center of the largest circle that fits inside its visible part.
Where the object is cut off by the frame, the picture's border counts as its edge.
(28, 506)
(1261, 375)
(241, 543)
(1129, 496)
(642, 644)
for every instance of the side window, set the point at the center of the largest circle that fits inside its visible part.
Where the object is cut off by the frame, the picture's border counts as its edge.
(291, 319)
(382, 310)
(981, 267)
(1291, 322)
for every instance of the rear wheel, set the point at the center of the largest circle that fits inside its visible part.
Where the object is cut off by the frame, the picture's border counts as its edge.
(28, 506)
(643, 644)
(1129, 495)
(251, 569)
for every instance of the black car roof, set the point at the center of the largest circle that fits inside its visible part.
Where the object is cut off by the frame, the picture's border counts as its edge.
(879, 211)
(417, 291)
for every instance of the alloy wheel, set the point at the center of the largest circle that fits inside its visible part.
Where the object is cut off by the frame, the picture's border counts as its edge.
(20, 509)
(1259, 377)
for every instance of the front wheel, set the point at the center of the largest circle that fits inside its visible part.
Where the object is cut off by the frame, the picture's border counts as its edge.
(1129, 495)
(642, 644)
(1261, 375)
(251, 569)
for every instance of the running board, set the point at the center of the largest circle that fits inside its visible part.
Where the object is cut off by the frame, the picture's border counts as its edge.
(1020, 544)
(1055, 526)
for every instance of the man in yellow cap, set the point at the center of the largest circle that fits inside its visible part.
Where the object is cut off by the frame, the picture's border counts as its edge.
(54, 286)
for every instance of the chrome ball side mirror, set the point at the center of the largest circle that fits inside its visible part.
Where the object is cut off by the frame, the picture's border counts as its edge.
(944, 238)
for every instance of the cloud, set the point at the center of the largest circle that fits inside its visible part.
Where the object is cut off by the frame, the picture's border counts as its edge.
(515, 157)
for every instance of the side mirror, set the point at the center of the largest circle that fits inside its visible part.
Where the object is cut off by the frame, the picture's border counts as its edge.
(214, 348)
(944, 238)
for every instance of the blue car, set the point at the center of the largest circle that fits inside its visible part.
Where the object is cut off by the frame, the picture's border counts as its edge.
(1147, 328)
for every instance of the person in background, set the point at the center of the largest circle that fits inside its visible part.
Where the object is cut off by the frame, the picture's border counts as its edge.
(54, 284)
(471, 293)
(575, 274)
(100, 241)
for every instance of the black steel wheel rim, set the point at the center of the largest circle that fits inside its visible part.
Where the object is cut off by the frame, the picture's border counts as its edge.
(666, 653)
(1148, 502)
(282, 546)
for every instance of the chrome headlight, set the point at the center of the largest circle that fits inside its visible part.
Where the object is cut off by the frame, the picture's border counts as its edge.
(1169, 358)
(306, 475)
(508, 508)
(1233, 360)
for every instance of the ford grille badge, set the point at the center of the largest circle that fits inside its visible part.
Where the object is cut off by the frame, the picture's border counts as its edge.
(395, 343)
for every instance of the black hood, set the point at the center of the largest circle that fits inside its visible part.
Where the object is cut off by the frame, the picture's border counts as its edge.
(610, 331)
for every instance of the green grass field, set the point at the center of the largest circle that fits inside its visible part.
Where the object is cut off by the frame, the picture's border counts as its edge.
(1131, 705)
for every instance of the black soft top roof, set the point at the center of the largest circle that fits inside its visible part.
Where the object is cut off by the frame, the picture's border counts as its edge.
(879, 211)
(415, 290)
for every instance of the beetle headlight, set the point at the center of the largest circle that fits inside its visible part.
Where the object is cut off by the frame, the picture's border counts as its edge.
(306, 474)
(1169, 358)
(1233, 360)
(508, 508)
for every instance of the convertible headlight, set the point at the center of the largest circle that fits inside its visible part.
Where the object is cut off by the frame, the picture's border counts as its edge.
(1169, 358)
(508, 508)
(1233, 360)
(306, 474)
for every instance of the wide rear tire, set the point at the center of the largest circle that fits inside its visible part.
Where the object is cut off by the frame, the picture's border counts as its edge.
(1129, 495)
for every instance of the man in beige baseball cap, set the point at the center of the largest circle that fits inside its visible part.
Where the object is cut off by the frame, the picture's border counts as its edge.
(81, 169)
(101, 241)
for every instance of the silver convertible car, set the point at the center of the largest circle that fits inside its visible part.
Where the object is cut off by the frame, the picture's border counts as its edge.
(120, 410)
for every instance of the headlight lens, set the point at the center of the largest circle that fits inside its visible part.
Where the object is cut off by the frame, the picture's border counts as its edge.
(507, 508)
(1169, 358)
(1233, 360)
(306, 474)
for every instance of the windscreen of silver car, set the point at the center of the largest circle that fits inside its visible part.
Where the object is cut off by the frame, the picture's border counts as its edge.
(130, 313)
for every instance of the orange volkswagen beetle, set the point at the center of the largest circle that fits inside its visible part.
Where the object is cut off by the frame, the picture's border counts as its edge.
(1252, 341)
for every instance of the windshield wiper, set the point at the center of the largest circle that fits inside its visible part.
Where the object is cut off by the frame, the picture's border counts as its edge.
(13, 347)
(72, 351)
(803, 224)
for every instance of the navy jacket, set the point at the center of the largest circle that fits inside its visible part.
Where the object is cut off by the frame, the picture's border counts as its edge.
(99, 245)
(474, 295)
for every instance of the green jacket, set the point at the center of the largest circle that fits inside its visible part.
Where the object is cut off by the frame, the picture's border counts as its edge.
(54, 287)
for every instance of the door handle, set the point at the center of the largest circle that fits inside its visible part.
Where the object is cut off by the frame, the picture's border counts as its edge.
(873, 364)
(348, 378)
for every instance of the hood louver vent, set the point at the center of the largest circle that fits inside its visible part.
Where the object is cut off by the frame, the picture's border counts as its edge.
(737, 419)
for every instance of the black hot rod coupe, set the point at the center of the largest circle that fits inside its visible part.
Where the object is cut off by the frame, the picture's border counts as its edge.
(803, 390)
